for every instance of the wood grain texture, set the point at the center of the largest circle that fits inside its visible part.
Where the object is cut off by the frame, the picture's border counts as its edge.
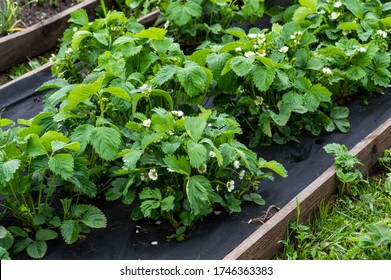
(263, 243)
(41, 37)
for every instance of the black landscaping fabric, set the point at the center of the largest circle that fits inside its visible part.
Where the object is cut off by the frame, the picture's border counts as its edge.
(217, 235)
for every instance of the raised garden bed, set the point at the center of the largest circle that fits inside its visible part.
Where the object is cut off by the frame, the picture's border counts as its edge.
(311, 179)
(220, 236)
(40, 37)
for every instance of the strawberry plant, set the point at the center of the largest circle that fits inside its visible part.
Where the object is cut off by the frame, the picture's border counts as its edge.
(272, 79)
(192, 22)
(38, 169)
(182, 167)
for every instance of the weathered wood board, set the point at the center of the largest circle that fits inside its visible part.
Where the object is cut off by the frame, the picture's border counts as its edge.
(41, 37)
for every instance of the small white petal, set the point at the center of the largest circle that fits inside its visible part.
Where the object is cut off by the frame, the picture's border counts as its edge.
(154, 243)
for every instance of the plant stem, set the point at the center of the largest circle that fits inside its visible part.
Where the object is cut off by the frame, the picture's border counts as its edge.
(102, 3)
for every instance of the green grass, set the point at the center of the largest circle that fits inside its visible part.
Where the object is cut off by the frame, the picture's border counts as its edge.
(351, 227)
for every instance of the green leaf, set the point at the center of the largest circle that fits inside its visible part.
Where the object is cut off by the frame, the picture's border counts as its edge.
(3, 232)
(152, 33)
(282, 117)
(312, 4)
(79, 94)
(35, 147)
(118, 187)
(256, 198)
(62, 164)
(242, 65)
(193, 79)
(200, 56)
(386, 21)
(148, 206)
(303, 84)
(46, 234)
(78, 37)
(7, 241)
(301, 14)
(195, 127)
(219, 156)
(315, 96)
(315, 64)
(70, 231)
(274, 166)
(149, 139)
(167, 204)
(164, 94)
(93, 217)
(339, 115)
(233, 204)
(355, 73)
(50, 136)
(294, 102)
(106, 142)
(228, 153)
(231, 46)
(162, 121)
(5, 122)
(181, 14)
(216, 62)
(170, 148)
(54, 83)
(248, 157)
(82, 135)
(131, 158)
(79, 17)
(8, 169)
(200, 195)
(348, 26)
(197, 154)
(18, 231)
(148, 193)
(378, 69)
(355, 6)
(179, 165)
(165, 74)
(263, 77)
(57, 145)
(119, 92)
(37, 249)
(22, 245)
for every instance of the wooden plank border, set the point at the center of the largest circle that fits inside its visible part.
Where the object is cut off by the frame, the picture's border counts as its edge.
(263, 243)
(41, 37)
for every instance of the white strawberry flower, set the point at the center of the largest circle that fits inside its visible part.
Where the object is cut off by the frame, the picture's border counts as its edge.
(327, 71)
(337, 4)
(152, 174)
(202, 169)
(362, 50)
(258, 100)
(236, 164)
(284, 49)
(335, 15)
(147, 123)
(242, 174)
(231, 185)
(249, 54)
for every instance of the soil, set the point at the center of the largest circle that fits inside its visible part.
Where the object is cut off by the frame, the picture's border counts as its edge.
(31, 14)
(35, 13)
